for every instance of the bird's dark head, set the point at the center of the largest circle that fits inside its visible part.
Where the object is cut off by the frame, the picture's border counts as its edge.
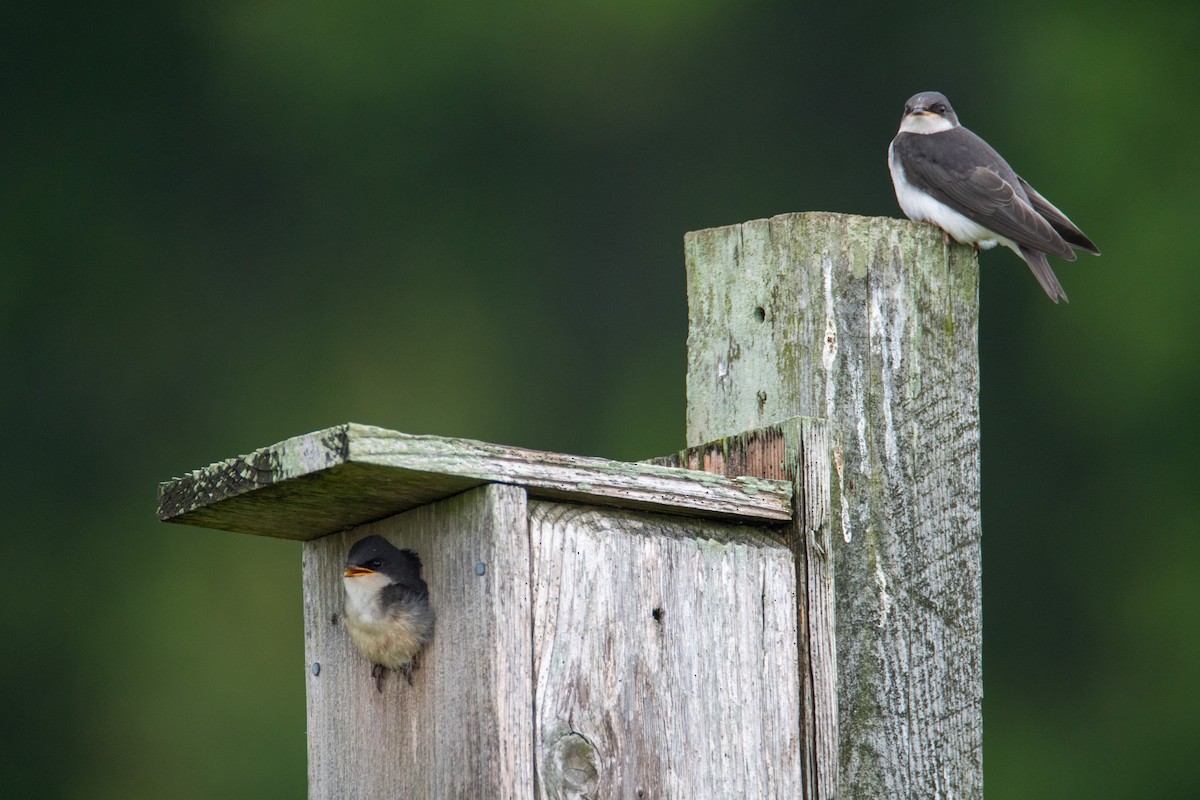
(928, 112)
(375, 555)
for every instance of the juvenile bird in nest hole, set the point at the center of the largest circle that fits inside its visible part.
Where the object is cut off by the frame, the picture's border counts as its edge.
(388, 615)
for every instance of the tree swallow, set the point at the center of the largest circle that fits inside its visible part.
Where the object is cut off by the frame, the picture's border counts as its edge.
(387, 606)
(947, 175)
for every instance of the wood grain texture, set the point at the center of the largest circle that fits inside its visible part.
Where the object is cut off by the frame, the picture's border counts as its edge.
(665, 657)
(810, 450)
(333, 479)
(464, 728)
(870, 323)
(798, 450)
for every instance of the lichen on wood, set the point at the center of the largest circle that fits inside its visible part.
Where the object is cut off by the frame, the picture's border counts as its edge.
(332, 479)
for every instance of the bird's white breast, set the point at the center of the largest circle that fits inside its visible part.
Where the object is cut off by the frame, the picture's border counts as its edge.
(921, 207)
(362, 598)
(390, 637)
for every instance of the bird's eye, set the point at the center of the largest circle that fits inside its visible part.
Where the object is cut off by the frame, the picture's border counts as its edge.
(908, 109)
(939, 109)
(374, 563)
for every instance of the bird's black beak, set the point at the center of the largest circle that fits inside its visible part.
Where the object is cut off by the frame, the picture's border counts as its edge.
(354, 572)
(919, 111)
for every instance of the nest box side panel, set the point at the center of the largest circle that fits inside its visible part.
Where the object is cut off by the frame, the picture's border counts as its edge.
(665, 656)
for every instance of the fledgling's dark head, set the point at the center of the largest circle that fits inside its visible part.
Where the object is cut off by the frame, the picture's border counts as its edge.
(374, 554)
(926, 112)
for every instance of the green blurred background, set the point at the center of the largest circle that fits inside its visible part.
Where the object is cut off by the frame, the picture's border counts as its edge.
(226, 223)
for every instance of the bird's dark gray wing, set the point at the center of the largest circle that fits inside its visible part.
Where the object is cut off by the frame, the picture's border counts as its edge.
(1058, 220)
(404, 592)
(964, 172)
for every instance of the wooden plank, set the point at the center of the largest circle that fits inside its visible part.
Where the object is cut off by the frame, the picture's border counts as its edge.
(871, 324)
(665, 657)
(464, 728)
(797, 449)
(809, 449)
(311, 485)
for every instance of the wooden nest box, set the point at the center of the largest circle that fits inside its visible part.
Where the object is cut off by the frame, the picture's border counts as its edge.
(789, 608)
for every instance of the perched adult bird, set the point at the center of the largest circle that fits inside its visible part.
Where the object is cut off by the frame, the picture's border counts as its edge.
(387, 606)
(945, 174)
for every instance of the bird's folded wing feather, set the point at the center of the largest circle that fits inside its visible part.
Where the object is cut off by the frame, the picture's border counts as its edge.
(1058, 220)
(979, 193)
(404, 592)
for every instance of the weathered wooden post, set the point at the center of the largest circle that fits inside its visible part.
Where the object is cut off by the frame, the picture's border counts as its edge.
(871, 324)
(608, 629)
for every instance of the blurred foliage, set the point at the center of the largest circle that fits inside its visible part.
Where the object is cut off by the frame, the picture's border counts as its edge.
(228, 223)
